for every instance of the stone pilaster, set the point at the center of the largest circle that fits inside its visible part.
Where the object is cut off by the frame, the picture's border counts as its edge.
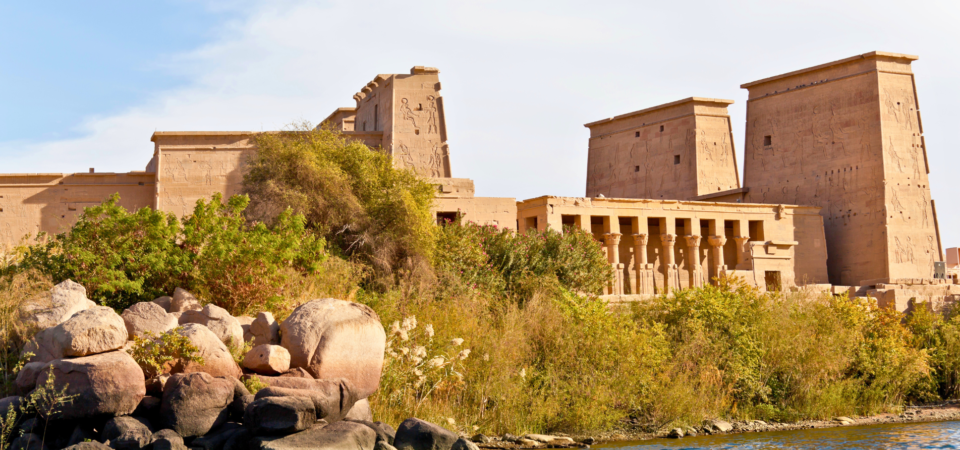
(716, 246)
(642, 267)
(743, 253)
(612, 242)
(671, 277)
(693, 255)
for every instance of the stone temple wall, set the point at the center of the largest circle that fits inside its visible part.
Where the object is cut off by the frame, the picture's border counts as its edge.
(846, 136)
(677, 151)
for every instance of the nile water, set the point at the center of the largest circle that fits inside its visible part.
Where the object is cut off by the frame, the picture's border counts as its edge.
(886, 436)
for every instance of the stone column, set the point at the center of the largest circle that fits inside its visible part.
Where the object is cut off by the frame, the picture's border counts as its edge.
(640, 264)
(743, 253)
(693, 255)
(671, 278)
(716, 245)
(612, 241)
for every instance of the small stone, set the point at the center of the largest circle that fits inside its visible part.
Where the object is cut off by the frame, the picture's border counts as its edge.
(127, 433)
(184, 301)
(687, 431)
(164, 302)
(481, 439)
(265, 329)
(589, 441)
(463, 444)
(145, 317)
(675, 433)
(720, 426)
(267, 359)
(168, 439)
(416, 434)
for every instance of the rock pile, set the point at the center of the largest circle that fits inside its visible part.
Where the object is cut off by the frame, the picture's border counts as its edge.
(319, 366)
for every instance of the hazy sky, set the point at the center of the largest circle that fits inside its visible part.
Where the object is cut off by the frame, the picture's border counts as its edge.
(85, 84)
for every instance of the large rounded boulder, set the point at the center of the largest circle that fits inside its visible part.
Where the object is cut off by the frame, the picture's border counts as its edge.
(91, 331)
(145, 317)
(333, 339)
(195, 403)
(217, 360)
(103, 384)
(66, 299)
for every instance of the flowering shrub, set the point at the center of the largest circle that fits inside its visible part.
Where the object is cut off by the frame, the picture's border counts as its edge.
(418, 367)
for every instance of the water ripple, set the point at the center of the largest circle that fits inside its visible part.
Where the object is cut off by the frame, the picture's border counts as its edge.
(933, 435)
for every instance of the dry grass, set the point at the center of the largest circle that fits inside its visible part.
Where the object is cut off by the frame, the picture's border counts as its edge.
(16, 291)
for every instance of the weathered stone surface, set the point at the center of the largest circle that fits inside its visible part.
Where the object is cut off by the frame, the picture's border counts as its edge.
(336, 436)
(195, 403)
(279, 415)
(464, 444)
(184, 301)
(385, 432)
(127, 433)
(168, 439)
(383, 445)
(296, 372)
(332, 398)
(416, 434)
(240, 440)
(91, 445)
(147, 317)
(217, 360)
(148, 408)
(333, 339)
(66, 299)
(218, 320)
(91, 331)
(27, 378)
(245, 322)
(265, 329)
(107, 383)
(360, 411)
(164, 302)
(267, 359)
(155, 384)
(43, 346)
(720, 425)
(217, 438)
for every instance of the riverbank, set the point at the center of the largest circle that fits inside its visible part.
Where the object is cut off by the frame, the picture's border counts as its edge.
(938, 413)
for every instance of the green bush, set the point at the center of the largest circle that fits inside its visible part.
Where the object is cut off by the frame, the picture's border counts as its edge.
(499, 260)
(153, 352)
(123, 258)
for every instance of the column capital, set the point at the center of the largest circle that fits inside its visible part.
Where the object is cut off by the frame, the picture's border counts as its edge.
(741, 239)
(693, 240)
(716, 241)
(640, 239)
(668, 238)
(612, 238)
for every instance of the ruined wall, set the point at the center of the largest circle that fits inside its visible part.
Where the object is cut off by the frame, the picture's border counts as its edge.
(845, 136)
(195, 165)
(674, 151)
(51, 203)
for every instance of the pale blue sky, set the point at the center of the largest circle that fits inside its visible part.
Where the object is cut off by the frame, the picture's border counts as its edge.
(84, 84)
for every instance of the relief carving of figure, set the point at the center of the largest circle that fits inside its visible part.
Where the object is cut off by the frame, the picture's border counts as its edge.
(403, 155)
(432, 115)
(408, 114)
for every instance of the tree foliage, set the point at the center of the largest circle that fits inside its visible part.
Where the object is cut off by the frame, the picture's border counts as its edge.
(353, 195)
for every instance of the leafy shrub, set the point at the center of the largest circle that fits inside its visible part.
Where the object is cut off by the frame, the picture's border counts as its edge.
(484, 257)
(355, 196)
(123, 258)
(254, 384)
(45, 401)
(153, 352)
